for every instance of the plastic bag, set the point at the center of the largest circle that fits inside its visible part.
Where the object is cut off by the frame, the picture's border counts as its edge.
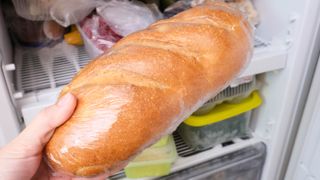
(36, 10)
(245, 6)
(125, 17)
(176, 8)
(67, 12)
(97, 35)
(248, 9)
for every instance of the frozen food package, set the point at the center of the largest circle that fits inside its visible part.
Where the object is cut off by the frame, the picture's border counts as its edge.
(98, 36)
(125, 17)
(67, 12)
(147, 84)
(35, 10)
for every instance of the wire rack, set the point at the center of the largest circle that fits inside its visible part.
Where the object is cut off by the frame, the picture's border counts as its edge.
(51, 67)
(48, 67)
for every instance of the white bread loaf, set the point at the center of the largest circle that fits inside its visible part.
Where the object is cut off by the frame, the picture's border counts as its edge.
(146, 85)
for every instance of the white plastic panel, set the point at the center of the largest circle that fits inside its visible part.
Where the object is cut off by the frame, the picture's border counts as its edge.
(9, 125)
(32, 103)
(9, 122)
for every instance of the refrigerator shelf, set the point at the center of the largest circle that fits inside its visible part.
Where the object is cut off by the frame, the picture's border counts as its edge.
(48, 68)
(188, 158)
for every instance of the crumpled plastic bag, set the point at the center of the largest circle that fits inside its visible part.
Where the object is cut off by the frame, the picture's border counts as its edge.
(67, 12)
(35, 10)
(176, 8)
(100, 35)
(126, 17)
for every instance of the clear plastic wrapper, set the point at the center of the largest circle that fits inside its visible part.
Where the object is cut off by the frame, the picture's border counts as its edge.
(67, 12)
(147, 84)
(125, 17)
(176, 8)
(245, 6)
(231, 93)
(35, 10)
(248, 9)
(97, 34)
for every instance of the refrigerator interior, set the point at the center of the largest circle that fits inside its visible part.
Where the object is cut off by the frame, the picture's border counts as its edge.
(281, 60)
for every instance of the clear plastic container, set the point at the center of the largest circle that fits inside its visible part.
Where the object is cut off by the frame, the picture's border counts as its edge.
(231, 93)
(224, 123)
(244, 164)
(154, 161)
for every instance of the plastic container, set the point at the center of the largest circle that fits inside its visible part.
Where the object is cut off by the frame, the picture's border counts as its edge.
(154, 161)
(231, 93)
(244, 164)
(224, 123)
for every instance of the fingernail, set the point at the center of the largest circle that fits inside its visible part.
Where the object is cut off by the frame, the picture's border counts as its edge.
(64, 100)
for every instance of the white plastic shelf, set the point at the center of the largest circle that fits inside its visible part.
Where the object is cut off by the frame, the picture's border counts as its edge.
(265, 59)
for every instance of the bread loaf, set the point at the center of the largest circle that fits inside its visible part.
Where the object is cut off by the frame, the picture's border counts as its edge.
(146, 85)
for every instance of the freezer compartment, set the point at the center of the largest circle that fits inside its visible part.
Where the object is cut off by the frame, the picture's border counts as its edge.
(244, 164)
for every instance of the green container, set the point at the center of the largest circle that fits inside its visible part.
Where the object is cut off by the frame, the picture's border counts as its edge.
(153, 161)
(200, 138)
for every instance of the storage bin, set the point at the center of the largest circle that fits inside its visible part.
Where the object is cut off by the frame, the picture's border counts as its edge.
(224, 123)
(244, 164)
(154, 161)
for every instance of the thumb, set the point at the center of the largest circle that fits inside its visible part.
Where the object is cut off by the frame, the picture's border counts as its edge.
(42, 127)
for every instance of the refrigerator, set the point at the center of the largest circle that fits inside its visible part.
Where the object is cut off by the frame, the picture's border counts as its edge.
(285, 128)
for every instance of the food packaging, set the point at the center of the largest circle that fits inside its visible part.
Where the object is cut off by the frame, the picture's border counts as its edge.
(224, 123)
(153, 161)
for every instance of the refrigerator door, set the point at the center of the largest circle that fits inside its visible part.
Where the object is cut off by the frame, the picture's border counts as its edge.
(305, 159)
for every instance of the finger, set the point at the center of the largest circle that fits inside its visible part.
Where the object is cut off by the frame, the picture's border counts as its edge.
(41, 128)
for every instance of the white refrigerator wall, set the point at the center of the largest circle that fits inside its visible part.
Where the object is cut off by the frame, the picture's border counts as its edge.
(305, 159)
(10, 125)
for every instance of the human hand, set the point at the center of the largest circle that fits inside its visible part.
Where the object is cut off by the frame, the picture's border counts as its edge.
(22, 158)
